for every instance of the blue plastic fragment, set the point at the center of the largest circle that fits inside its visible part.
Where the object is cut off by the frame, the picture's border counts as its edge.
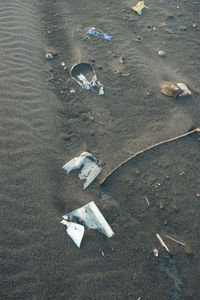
(169, 31)
(100, 34)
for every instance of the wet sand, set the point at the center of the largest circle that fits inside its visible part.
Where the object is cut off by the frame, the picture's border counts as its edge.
(43, 126)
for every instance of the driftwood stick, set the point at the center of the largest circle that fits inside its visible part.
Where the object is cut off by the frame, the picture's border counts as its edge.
(148, 148)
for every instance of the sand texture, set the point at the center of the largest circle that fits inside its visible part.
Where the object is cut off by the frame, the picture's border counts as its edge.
(43, 126)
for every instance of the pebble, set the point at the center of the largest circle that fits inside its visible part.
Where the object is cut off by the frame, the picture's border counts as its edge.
(72, 91)
(182, 28)
(161, 53)
(169, 16)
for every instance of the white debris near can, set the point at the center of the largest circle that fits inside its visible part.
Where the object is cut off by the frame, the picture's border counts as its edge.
(90, 168)
(184, 89)
(90, 216)
(85, 75)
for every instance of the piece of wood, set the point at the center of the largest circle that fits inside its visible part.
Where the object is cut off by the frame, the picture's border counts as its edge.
(148, 148)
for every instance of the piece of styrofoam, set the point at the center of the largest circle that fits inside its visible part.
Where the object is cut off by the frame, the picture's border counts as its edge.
(75, 231)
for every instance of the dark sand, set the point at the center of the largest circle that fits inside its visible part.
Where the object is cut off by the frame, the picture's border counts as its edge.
(43, 126)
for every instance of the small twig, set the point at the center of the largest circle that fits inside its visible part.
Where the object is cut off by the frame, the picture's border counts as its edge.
(148, 148)
(169, 237)
(147, 200)
(162, 242)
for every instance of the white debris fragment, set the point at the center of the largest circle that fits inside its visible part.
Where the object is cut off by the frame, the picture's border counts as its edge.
(81, 71)
(90, 168)
(185, 90)
(75, 231)
(155, 252)
(90, 216)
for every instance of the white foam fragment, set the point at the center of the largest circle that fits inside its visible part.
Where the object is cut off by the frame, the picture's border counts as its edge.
(75, 231)
(90, 168)
(85, 84)
(92, 218)
(76, 162)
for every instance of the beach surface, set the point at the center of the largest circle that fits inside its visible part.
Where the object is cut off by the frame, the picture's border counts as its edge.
(44, 125)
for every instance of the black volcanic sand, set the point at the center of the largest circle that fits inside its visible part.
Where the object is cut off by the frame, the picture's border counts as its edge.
(44, 126)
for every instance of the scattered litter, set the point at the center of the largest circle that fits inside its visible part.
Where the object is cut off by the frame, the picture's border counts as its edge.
(170, 89)
(85, 75)
(86, 217)
(139, 7)
(121, 60)
(50, 54)
(146, 149)
(155, 252)
(103, 254)
(162, 242)
(75, 231)
(90, 168)
(72, 91)
(185, 90)
(62, 64)
(161, 53)
(169, 237)
(101, 34)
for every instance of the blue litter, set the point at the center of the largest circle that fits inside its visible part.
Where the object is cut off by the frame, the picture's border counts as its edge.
(169, 31)
(100, 34)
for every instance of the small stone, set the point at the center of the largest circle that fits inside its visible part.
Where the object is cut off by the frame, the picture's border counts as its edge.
(182, 28)
(50, 54)
(161, 53)
(72, 91)
(169, 16)
(155, 252)
(188, 251)
(121, 60)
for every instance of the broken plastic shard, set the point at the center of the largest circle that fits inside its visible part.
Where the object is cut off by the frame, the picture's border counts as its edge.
(101, 34)
(90, 168)
(90, 216)
(75, 231)
(139, 7)
(84, 74)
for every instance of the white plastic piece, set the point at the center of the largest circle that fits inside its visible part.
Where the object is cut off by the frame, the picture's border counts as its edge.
(84, 82)
(184, 88)
(91, 217)
(90, 168)
(75, 231)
